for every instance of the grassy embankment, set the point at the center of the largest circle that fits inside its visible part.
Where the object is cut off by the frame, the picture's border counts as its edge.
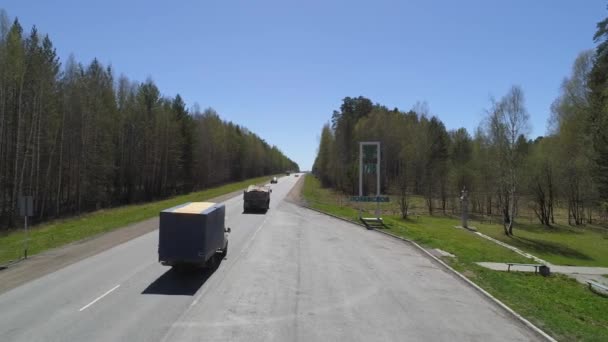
(60, 232)
(557, 304)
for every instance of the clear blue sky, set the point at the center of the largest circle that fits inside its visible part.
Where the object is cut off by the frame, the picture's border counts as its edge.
(280, 67)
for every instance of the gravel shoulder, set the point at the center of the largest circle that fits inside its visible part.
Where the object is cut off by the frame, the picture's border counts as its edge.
(294, 196)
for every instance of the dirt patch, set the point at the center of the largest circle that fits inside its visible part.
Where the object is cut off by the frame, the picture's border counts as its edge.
(469, 274)
(295, 194)
(53, 260)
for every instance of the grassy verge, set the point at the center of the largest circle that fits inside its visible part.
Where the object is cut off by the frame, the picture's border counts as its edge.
(60, 232)
(557, 304)
(561, 245)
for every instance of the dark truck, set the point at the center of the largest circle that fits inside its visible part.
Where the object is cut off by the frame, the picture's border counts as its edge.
(256, 198)
(192, 235)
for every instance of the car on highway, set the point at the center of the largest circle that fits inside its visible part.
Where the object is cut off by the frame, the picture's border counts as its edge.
(296, 175)
(274, 180)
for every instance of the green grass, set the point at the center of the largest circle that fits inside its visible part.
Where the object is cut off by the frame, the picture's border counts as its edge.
(60, 232)
(561, 245)
(557, 304)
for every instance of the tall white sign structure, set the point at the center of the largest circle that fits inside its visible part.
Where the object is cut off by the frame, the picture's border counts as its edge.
(369, 162)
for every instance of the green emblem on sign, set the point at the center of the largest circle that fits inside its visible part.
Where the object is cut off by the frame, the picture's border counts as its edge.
(370, 154)
(370, 159)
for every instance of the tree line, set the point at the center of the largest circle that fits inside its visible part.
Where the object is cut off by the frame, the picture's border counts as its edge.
(503, 169)
(77, 139)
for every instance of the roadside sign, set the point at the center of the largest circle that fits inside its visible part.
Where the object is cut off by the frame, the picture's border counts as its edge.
(369, 168)
(370, 158)
(26, 206)
(369, 163)
(369, 199)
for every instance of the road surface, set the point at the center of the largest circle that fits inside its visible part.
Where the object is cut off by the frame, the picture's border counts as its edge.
(290, 275)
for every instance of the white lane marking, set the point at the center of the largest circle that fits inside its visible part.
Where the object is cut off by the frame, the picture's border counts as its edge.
(98, 298)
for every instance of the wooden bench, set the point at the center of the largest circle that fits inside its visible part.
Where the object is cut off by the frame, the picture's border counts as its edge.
(536, 266)
(593, 284)
(372, 222)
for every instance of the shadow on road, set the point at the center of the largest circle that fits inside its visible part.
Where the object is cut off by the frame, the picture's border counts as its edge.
(255, 211)
(179, 282)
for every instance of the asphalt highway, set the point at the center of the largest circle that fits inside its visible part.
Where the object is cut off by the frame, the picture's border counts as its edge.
(291, 274)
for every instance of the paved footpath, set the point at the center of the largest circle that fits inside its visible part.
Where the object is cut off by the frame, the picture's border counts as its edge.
(580, 273)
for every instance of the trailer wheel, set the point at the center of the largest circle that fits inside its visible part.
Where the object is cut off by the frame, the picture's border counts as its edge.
(213, 262)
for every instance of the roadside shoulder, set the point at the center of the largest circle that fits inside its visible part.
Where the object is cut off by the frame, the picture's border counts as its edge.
(539, 332)
(295, 194)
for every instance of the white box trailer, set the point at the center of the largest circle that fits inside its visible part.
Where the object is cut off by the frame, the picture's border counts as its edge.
(192, 234)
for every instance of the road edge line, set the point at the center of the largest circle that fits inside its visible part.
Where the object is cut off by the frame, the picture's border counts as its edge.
(466, 280)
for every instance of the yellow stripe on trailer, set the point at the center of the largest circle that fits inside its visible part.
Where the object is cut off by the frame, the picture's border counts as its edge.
(194, 208)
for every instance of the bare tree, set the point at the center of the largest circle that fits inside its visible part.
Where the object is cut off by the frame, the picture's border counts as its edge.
(508, 122)
(402, 184)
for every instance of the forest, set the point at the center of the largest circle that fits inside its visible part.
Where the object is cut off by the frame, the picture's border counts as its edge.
(77, 138)
(503, 169)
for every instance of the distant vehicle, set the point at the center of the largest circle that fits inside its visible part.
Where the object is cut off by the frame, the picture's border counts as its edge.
(274, 180)
(287, 173)
(296, 175)
(256, 197)
(192, 235)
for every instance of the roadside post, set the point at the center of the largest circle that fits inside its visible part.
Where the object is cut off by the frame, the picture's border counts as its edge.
(464, 210)
(26, 209)
(464, 205)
